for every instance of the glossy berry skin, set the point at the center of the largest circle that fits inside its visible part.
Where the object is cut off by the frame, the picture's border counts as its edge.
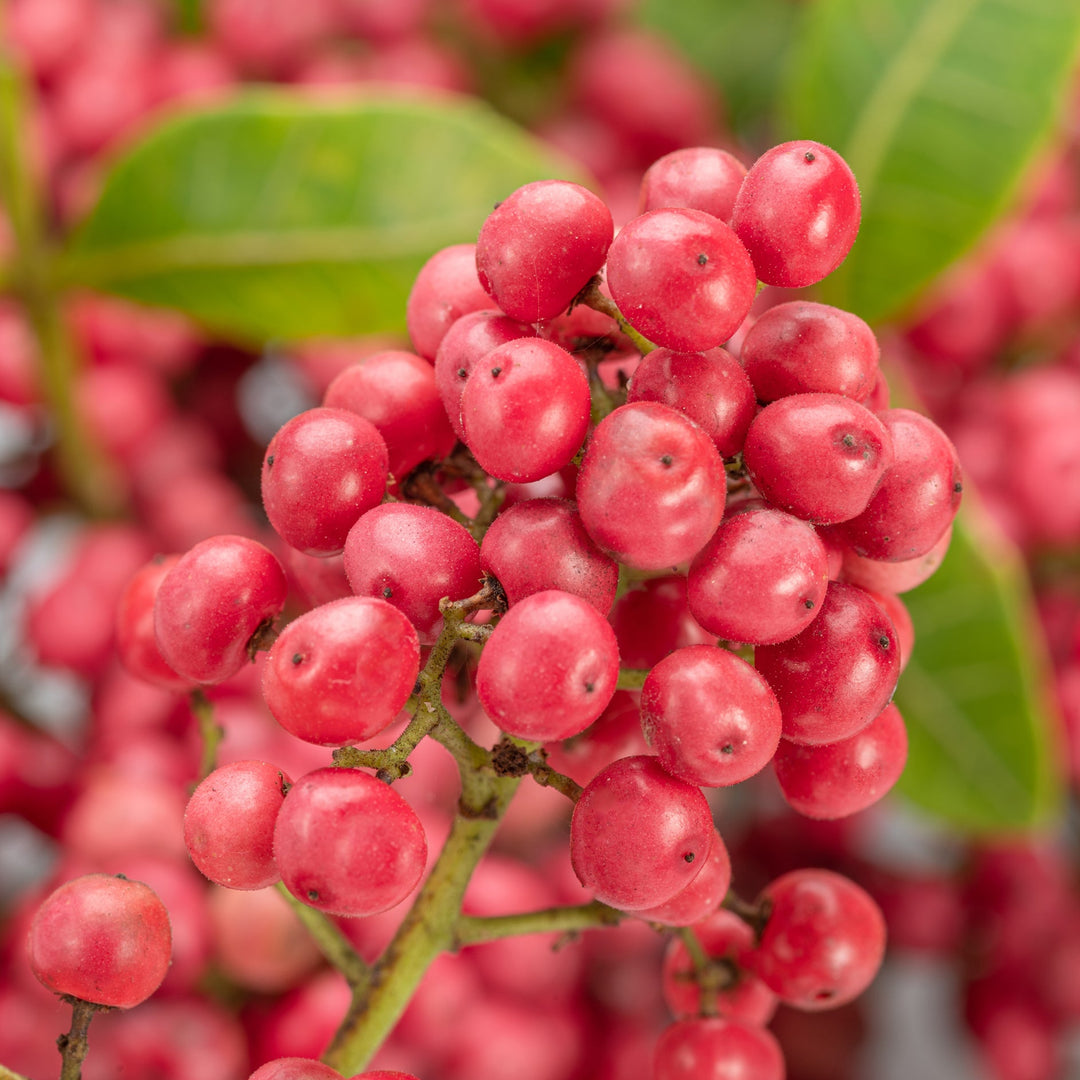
(710, 717)
(696, 177)
(723, 936)
(842, 778)
(212, 602)
(541, 544)
(136, 643)
(802, 347)
(445, 289)
(760, 579)
(348, 844)
(540, 246)
(549, 669)
(717, 1048)
(701, 897)
(839, 673)
(467, 342)
(798, 213)
(342, 672)
(525, 410)
(412, 557)
(295, 1068)
(817, 456)
(639, 835)
(322, 470)
(396, 392)
(918, 497)
(102, 939)
(710, 388)
(681, 278)
(823, 942)
(652, 487)
(229, 824)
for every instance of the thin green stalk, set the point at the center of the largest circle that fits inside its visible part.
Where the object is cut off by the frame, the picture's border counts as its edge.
(332, 943)
(86, 474)
(427, 931)
(474, 929)
(591, 296)
(631, 678)
(209, 730)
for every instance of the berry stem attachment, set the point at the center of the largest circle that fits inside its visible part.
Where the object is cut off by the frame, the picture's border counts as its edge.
(474, 929)
(420, 487)
(74, 1044)
(211, 733)
(591, 296)
(332, 943)
(755, 915)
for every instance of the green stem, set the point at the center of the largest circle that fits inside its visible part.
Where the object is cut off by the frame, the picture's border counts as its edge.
(427, 931)
(332, 943)
(474, 929)
(86, 473)
(210, 732)
(631, 678)
(74, 1044)
(10, 1074)
(591, 296)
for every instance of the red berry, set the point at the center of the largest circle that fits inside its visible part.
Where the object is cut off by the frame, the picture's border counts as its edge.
(396, 392)
(347, 843)
(322, 470)
(701, 897)
(818, 456)
(446, 288)
(211, 604)
(136, 643)
(540, 246)
(550, 668)
(101, 939)
(760, 579)
(541, 544)
(715, 1048)
(842, 778)
(525, 410)
(651, 488)
(681, 278)
(295, 1068)
(342, 672)
(639, 835)
(710, 388)
(710, 717)
(823, 942)
(229, 824)
(802, 347)
(412, 557)
(696, 177)
(839, 673)
(798, 213)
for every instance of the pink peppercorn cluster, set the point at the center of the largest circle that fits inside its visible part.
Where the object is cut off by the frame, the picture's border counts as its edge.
(615, 474)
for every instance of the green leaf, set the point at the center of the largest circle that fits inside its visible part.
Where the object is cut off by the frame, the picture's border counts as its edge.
(982, 732)
(938, 106)
(741, 45)
(281, 217)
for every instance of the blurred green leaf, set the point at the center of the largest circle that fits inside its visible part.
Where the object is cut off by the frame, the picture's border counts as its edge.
(281, 217)
(983, 737)
(741, 45)
(938, 106)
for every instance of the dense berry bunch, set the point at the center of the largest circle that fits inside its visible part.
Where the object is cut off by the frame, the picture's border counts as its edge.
(743, 496)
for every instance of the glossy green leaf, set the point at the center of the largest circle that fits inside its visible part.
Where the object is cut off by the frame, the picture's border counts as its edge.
(938, 106)
(741, 45)
(280, 217)
(982, 732)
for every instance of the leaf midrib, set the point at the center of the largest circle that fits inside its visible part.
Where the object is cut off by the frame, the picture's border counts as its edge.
(900, 84)
(272, 247)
